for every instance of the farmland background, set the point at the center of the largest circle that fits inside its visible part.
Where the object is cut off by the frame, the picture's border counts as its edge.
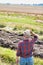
(22, 9)
(17, 18)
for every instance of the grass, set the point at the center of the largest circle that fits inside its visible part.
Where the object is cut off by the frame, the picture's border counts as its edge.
(2, 26)
(3, 63)
(38, 61)
(8, 57)
(23, 21)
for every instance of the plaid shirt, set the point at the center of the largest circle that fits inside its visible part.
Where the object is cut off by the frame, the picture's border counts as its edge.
(25, 47)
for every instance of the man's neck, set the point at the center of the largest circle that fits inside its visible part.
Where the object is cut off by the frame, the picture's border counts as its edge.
(26, 38)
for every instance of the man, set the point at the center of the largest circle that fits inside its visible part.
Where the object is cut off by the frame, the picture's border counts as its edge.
(25, 48)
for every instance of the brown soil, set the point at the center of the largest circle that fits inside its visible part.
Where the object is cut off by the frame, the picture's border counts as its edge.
(22, 9)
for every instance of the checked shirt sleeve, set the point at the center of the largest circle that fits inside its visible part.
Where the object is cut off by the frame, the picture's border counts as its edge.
(18, 50)
(35, 38)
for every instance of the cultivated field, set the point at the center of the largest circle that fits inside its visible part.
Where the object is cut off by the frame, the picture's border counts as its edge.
(14, 18)
(22, 9)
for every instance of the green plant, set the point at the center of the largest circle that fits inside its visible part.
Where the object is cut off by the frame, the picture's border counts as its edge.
(2, 26)
(8, 55)
(41, 32)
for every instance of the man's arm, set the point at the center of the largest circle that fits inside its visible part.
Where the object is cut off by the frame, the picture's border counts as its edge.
(18, 52)
(35, 36)
(17, 60)
(34, 39)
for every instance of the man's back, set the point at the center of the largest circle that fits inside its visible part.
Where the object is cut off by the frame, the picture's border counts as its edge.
(26, 48)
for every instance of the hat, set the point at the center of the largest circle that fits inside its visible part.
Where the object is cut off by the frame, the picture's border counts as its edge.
(27, 33)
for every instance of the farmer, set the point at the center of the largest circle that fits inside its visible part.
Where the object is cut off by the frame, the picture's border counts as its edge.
(25, 48)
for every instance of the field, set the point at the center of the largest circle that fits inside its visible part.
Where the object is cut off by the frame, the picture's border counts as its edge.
(22, 22)
(18, 19)
(22, 9)
(18, 22)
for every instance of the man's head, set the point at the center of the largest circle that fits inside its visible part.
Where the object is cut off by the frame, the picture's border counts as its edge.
(27, 34)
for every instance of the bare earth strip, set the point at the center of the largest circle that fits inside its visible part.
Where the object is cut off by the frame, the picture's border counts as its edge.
(22, 9)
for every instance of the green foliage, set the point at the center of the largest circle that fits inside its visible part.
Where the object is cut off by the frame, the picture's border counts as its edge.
(7, 55)
(22, 22)
(38, 61)
(17, 27)
(2, 26)
(4, 63)
(41, 32)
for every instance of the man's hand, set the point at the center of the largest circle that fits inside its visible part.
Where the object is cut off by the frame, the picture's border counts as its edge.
(17, 60)
(32, 33)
